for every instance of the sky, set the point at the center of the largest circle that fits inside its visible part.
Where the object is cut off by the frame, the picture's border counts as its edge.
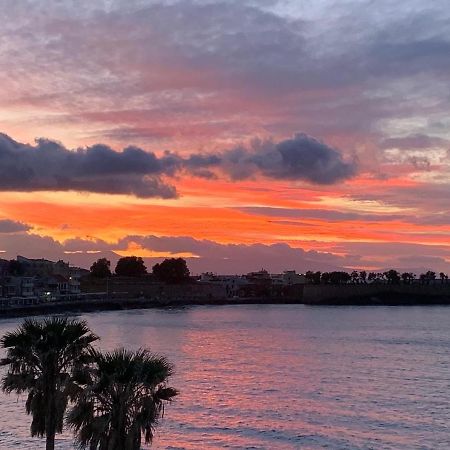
(238, 134)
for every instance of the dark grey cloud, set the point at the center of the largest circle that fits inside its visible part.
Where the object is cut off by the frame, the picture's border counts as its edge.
(305, 157)
(299, 158)
(50, 166)
(11, 226)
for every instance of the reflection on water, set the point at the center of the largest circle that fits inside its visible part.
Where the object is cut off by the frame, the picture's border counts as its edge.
(285, 377)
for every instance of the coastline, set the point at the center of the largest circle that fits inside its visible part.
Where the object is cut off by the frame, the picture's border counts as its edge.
(388, 296)
(128, 304)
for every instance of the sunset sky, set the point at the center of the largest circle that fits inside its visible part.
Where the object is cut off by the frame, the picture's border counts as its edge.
(239, 134)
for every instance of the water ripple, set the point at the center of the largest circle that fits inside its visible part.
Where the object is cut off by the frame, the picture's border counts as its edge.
(285, 377)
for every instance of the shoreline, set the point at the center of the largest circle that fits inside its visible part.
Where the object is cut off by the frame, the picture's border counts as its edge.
(129, 304)
(83, 306)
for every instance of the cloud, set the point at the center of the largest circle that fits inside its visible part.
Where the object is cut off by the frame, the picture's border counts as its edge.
(415, 142)
(423, 262)
(321, 214)
(234, 258)
(50, 166)
(420, 162)
(209, 255)
(77, 251)
(231, 258)
(304, 157)
(429, 199)
(299, 158)
(215, 67)
(11, 226)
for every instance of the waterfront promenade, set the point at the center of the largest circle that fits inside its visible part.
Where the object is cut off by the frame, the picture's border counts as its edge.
(370, 294)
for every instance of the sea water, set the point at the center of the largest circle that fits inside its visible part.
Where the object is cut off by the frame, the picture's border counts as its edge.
(283, 376)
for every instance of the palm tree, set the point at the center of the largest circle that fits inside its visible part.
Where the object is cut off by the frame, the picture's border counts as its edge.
(122, 399)
(363, 276)
(42, 357)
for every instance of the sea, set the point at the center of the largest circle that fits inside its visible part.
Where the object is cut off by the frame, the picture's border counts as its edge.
(283, 376)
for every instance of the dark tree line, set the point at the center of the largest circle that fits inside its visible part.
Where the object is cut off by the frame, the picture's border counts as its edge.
(389, 277)
(175, 271)
(171, 270)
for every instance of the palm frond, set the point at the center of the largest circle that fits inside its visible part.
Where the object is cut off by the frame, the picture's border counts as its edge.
(42, 356)
(125, 392)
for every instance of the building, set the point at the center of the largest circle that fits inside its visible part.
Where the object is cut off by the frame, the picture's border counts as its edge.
(57, 285)
(74, 280)
(49, 278)
(43, 267)
(258, 284)
(231, 284)
(17, 287)
(291, 277)
(4, 267)
(262, 276)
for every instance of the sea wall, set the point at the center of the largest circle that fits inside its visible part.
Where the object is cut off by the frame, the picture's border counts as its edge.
(132, 288)
(377, 294)
(135, 287)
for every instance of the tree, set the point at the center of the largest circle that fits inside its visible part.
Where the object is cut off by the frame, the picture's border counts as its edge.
(372, 277)
(325, 278)
(123, 398)
(354, 277)
(363, 276)
(172, 271)
(101, 268)
(392, 276)
(316, 277)
(443, 277)
(407, 277)
(339, 277)
(313, 277)
(42, 357)
(431, 275)
(427, 277)
(131, 266)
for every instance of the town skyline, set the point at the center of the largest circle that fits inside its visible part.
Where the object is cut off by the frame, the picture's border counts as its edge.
(313, 275)
(236, 135)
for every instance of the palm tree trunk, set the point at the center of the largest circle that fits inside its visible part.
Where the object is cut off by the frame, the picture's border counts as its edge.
(50, 441)
(50, 433)
(50, 419)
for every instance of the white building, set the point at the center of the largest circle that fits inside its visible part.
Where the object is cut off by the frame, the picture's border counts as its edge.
(287, 278)
(231, 283)
(74, 281)
(291, 277)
